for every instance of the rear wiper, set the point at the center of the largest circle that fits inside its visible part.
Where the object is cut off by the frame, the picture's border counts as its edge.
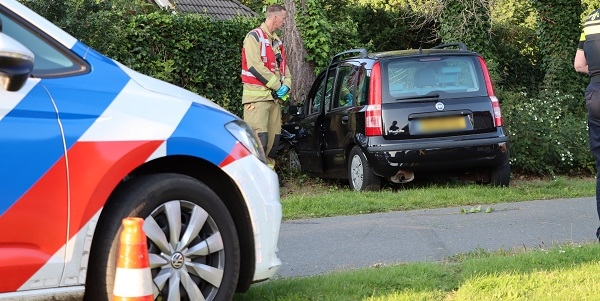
(427, 96)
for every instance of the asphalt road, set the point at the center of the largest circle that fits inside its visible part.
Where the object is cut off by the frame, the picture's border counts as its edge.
(316, 246)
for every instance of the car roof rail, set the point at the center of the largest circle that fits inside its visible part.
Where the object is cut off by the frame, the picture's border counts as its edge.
(460, 46)
(361, 51)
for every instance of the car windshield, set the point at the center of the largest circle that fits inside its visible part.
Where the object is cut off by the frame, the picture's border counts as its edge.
(437, 76)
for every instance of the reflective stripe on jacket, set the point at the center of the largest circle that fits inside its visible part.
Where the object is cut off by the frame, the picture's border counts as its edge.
(260, 72)
(267, 56)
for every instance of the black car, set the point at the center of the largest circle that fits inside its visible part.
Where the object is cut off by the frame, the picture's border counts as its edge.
(391, 116)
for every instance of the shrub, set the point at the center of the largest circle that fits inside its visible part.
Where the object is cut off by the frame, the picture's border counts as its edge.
(545, 138)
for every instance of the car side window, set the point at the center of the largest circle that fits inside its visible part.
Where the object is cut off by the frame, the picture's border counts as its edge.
(361, 87)
(315, 102)
(347, 81)
(329, 90)
(51, 60)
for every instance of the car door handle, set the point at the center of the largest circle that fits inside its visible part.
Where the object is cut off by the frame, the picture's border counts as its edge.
(344, 119)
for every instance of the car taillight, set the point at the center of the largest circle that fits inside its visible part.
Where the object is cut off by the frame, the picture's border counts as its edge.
(490, 89)
(373, 125)
(497, 112)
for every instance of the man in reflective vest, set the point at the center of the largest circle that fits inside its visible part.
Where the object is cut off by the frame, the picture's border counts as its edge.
(266, 80)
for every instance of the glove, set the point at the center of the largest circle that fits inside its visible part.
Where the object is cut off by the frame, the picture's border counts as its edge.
(282, 91)
(349, 98)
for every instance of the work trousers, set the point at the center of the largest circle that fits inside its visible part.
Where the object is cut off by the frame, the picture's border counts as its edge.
(592, 101)
(265, 117)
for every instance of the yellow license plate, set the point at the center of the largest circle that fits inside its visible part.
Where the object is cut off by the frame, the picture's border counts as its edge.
(442, 124)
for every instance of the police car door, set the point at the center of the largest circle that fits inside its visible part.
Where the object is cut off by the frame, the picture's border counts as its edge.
(33, 177)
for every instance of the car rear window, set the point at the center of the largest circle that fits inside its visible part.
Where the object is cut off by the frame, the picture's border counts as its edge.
(445, 77)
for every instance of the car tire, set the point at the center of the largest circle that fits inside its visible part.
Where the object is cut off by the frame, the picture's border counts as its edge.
(500, 176)
(360, 175)
(169, 203)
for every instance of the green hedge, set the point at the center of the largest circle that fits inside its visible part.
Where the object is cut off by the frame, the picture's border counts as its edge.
(559, 30)
(545, 137)
(188, 50)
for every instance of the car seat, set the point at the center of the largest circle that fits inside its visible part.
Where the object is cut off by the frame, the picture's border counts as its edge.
(448, 76)
(425, 77)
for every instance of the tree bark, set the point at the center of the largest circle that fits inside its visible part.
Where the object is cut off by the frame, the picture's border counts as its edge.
(303, 72)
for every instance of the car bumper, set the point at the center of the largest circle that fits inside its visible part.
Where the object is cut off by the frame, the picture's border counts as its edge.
(476, 151)
(260, 186)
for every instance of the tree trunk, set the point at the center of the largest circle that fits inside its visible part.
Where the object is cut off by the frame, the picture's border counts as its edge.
(303, 73)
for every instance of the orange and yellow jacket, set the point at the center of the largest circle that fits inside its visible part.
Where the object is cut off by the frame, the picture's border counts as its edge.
(261, 71)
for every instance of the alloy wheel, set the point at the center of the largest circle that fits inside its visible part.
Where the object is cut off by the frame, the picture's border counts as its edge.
(356, 172)
(186, 252)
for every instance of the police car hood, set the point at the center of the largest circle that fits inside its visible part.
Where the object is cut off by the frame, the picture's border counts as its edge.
(162, 87)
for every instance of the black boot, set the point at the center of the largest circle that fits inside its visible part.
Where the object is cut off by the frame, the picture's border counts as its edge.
(273, 152)
(264, 139)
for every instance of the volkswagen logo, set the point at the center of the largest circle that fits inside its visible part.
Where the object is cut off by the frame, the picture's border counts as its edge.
(177, 260)
(439, 106)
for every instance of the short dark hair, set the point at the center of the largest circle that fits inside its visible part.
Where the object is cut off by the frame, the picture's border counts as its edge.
(274, 8)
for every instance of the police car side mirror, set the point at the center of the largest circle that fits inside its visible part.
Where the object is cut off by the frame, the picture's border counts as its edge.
(16, 63)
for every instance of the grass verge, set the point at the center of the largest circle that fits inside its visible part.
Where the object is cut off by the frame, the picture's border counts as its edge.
(308, 198)
(567, 272)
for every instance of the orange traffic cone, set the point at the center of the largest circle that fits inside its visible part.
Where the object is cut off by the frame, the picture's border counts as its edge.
(133, 280)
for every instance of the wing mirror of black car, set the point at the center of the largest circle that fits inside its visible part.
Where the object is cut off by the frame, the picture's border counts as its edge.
(16, 63)
(296, 111)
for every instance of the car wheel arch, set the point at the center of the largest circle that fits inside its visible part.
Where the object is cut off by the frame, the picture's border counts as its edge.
(361, 173)
(217, 180)
(128, 200)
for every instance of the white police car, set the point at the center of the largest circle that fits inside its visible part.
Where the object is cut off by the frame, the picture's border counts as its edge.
(87, 142)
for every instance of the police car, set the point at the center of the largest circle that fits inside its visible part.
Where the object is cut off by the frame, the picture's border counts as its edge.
(87, 141)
